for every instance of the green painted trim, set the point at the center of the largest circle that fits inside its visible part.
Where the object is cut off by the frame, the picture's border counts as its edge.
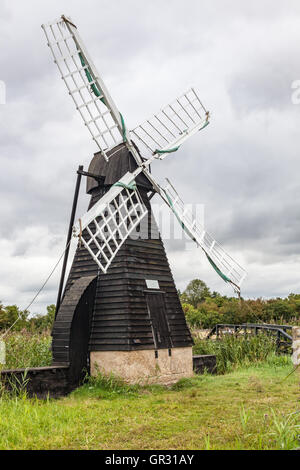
(218, 271)
(98, 94)
(166, 151)
(131, 186)
(123, 128)
(90, 79)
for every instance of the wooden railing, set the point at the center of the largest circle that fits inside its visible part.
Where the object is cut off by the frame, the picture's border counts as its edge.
(283, 339)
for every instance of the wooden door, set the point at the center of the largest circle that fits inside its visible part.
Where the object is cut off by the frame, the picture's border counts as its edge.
(159, 323)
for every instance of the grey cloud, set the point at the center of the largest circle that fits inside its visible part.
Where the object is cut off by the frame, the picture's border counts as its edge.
(243, 167)
(266, 84)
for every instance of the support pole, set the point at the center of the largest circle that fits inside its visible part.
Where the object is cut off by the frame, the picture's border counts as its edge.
(63, 271)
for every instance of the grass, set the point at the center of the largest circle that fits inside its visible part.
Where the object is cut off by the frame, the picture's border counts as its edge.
(252, 404)
(249, 408)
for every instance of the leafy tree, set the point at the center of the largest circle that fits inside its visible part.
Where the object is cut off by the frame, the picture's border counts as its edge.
(12, 315)
(195, 293)
(43, 322)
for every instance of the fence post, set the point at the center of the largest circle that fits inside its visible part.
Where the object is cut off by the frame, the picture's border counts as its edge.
(296, 348)
(278, 341)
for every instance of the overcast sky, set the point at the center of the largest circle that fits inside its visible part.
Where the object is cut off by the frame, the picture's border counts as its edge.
(241, 57)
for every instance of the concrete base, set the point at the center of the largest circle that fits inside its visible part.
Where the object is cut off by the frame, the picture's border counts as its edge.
(143, 367)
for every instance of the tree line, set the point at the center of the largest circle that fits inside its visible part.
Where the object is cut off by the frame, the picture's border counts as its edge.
(202, 308)
(21, 319)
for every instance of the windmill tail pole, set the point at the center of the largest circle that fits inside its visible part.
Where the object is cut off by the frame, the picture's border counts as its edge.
(63, 271)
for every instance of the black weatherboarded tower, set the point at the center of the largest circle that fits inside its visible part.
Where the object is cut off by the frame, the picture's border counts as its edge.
(128, 321)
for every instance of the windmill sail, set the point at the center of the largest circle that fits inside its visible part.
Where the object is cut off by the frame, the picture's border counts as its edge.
(223, 263)
(169, 128)
(90, 95)
(106, 226)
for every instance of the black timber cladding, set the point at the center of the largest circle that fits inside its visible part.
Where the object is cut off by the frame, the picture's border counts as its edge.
(72, 324)
(121, 318)
(121, 162)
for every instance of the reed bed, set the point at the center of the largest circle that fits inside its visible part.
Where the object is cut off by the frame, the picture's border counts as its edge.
(25, 349)
(233, 352)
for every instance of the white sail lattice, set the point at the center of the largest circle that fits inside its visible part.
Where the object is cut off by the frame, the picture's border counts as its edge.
(106, 226)
(85, 86)
(227, 266)
(171, 126)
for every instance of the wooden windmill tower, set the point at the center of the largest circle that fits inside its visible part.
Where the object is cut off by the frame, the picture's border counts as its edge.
(120, 310)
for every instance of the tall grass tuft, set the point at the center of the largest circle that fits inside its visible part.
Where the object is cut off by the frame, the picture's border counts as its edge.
(276, 430)
(232, 351)
(106, 386)
(286, 431)
(25, 349)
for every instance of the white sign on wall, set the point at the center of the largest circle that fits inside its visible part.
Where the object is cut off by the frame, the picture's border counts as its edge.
(152, 284)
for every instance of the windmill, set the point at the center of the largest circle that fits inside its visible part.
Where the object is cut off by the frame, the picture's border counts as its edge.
(120, 310)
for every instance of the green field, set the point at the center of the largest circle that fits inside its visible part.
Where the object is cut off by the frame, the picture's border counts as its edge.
(250, 408)
(252, 404)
